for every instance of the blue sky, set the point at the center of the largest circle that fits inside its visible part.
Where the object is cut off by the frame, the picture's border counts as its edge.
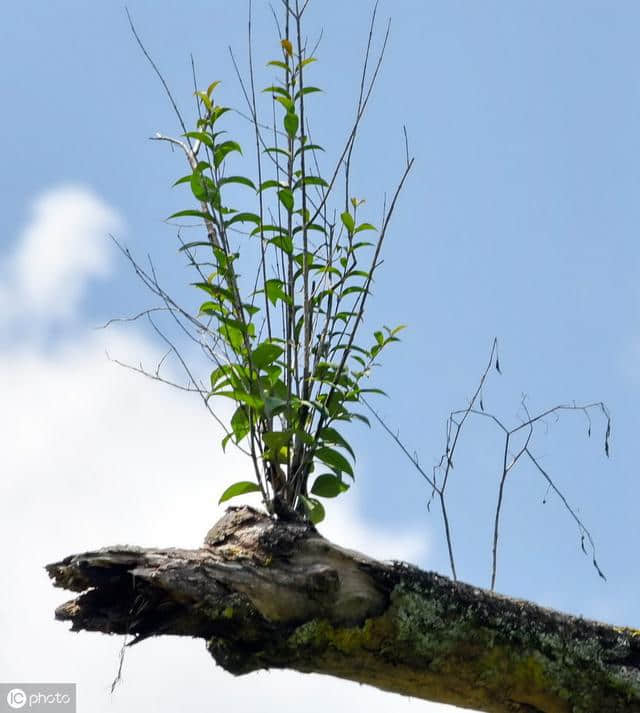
(519, 221)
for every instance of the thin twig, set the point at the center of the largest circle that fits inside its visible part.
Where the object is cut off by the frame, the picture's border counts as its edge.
(157, 71)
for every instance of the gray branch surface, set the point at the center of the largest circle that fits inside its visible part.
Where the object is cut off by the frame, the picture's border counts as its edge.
(272, 594)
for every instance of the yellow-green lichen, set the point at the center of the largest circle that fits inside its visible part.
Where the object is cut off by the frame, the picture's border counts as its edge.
(562, 669)
(475, 652)
(320, 634)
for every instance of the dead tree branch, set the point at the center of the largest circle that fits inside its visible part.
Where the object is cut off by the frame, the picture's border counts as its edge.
(270, 594)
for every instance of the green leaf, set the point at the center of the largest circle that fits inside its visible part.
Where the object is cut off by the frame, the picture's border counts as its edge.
(307, 61)
(265, 354)
(373, 391)
(237, 179)
(284, 242)
(277, 63)
(349, 290)
(191, 213)
(274, 405)
(244, 397)
(271, 183)
(184, 179)
(275, 440)
(360, 417)
(320, 229)
(251, 309)
(214, 290)
(310, 181)
(202, 166)
(291, 122)
(233, 323)
(347, 220)
(397, 329)
(219, 373)
(334, 459)
(223, 259)
(217, 112)
(277, 90)
(223, 149)
(242, 487)
(234, 337)
(273, 373)
(226, 440)
(201, 136)
(307, 90)
(203, 188)
(276, 150)
(212, 86)
(286, 103)
(308, 147)
(345, 316)
(314, 509)
(206, 99)
(330, 435)
(357, 273)
(243, 218)
(240, 424)
(269, 229)
(364, 226)
(328, 486)
(286, 198)
(211, 308)
(275, 291)
(194, 244)
(300, 260)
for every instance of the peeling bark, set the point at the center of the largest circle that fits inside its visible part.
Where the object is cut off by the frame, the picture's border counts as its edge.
(273, 594)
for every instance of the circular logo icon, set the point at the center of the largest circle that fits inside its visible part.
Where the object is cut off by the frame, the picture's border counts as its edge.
(16, 698)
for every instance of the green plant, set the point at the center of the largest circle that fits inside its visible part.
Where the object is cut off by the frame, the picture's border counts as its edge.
(286, 346)
(287, 278)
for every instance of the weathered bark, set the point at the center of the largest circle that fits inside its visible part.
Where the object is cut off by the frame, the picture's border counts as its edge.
(273, 594)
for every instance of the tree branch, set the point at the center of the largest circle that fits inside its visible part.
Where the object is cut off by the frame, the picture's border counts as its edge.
(271, 594)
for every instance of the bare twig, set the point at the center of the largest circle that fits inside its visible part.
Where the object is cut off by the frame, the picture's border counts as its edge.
(134, 318)
(455, 423)
(158, 72)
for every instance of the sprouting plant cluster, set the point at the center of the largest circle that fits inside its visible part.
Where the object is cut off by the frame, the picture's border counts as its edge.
(283, 333)
(286, 280)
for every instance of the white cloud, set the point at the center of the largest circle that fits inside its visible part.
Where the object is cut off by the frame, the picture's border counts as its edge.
(94, 455)
(97, 455)
(62, 247)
